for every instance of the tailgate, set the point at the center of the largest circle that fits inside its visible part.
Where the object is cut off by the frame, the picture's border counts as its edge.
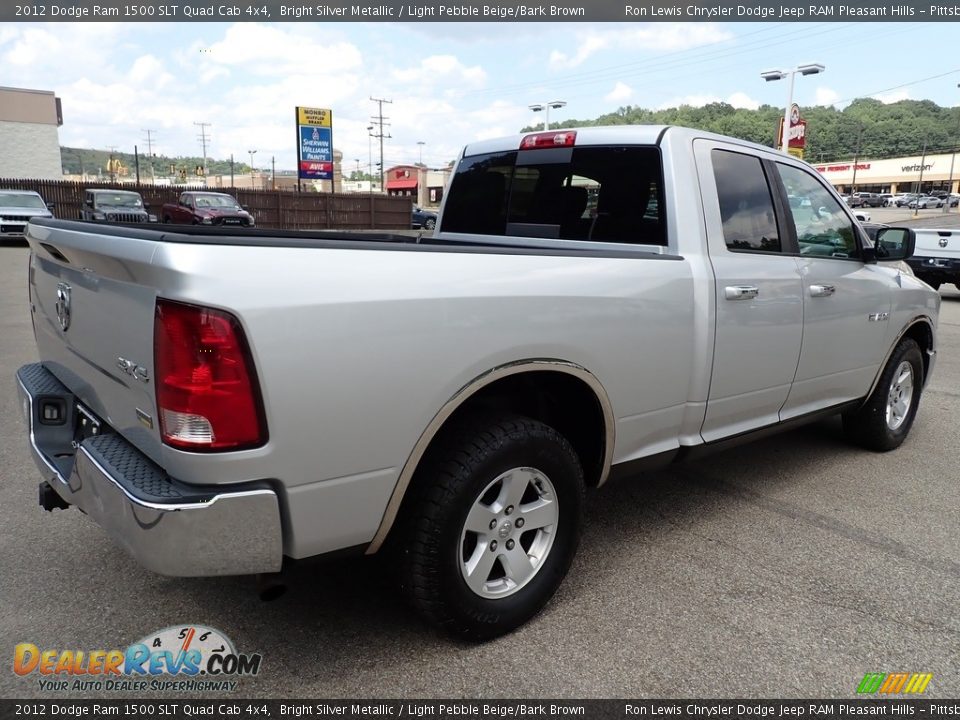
(938, 243)
(92, 303)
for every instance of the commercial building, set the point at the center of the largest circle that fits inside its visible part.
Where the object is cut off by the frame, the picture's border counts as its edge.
(29, 136)
(424, 184)
(917, 173)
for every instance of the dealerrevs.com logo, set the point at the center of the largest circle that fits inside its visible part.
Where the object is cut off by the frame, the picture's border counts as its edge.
(177, 658)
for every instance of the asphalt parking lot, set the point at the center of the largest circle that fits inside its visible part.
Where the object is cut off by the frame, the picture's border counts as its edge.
(786, 568)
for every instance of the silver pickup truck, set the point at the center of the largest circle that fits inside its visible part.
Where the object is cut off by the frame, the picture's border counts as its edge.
(594, 301)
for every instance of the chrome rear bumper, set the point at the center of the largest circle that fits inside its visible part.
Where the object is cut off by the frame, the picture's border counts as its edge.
(170, 527)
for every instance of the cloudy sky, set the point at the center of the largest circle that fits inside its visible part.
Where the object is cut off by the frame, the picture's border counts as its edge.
(450, 83)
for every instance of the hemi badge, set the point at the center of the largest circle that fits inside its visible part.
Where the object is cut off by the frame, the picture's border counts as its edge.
(145, 419)
(878, 317)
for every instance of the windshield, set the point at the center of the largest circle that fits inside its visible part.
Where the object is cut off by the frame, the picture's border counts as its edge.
(216, 201)
(121, 199)
(21, 200)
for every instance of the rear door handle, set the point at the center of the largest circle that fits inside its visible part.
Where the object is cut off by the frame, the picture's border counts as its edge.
(741, 292)
(822, 290)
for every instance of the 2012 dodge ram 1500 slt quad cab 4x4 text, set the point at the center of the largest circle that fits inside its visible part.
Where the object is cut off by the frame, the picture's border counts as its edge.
(592, 299)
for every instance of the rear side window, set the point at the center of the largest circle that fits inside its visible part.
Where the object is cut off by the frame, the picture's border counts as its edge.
(603, 194)
(746, 206)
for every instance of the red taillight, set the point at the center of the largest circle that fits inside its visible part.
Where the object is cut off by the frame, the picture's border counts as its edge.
(207, 394)
(548, 140)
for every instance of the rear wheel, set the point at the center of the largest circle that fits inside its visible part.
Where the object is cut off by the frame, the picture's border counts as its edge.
(494, 526)
(886, 418)
(430, 224)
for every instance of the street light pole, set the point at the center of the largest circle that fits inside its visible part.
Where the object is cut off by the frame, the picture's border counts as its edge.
(771, 75)
(545, 107)
(252, 153)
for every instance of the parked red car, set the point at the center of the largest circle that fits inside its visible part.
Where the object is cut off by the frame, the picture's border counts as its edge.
(206, 208)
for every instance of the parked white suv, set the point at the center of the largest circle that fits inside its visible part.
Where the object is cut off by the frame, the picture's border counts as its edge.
(17, 208)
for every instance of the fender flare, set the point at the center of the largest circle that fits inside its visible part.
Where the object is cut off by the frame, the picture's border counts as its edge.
(465, 393)
(920, 319)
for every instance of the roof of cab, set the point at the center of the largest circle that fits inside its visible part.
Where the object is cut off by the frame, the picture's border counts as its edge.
(607, 135)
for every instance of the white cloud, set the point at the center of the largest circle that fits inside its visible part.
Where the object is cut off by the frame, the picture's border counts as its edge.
(439, 69)
(270, 51)
(892, 96)
(657, 37)
(620, 93)
(826, 96)
(737, 100)
(588, 46)
(742, 100)
(149, 70)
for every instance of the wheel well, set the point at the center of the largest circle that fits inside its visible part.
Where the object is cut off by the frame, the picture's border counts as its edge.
(557, 399)
(923, 335)
(571, 405)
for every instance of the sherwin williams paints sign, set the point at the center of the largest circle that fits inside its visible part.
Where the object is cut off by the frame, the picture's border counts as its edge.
(315, 143)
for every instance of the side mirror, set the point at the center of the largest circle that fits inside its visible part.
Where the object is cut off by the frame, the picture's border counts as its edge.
(894, 244)
(88, 203)
(244, 207)
(51, 205)
(146, 206)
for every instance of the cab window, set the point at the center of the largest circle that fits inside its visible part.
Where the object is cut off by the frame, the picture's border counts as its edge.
(591, 193)
(823, 228)
(746, 206)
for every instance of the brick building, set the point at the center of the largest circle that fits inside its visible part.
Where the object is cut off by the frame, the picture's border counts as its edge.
(29, 134)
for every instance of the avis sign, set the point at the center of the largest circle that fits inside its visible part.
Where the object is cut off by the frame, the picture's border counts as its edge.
(797, 140)
(314, 143)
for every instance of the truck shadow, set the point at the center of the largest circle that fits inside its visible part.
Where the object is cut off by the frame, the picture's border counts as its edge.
(352, 610)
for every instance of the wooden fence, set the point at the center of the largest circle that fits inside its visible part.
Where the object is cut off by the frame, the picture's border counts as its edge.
(273, 209)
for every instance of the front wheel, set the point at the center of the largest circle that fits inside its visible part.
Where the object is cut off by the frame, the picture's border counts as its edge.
(884, 421)
(430, 224)
(494, 526)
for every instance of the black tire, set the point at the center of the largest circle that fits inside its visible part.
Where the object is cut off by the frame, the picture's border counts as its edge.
(435, 541)
(430, 224)
(869, 425)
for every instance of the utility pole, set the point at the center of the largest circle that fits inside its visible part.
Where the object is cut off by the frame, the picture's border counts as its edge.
(380, 134)
(203, 139)
(273, 172)
(923, 159)
(856, 159)
(149, 141)
(231, 171)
